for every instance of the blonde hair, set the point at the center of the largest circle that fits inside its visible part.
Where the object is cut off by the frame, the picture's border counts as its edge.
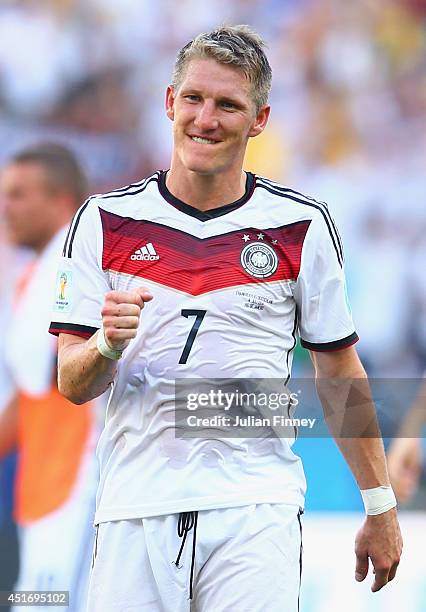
(239, 46)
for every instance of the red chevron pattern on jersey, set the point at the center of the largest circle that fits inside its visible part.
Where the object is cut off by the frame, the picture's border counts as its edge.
(194, 265)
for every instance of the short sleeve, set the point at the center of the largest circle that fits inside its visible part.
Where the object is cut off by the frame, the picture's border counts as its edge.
(325, 320)
(81, 284)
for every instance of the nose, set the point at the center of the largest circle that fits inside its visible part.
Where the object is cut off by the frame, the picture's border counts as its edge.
(206, 118)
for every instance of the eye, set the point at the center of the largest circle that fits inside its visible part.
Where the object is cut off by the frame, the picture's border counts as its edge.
(192, 97)
(228, 105)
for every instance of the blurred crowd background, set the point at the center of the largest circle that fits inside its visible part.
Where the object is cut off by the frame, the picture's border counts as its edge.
(347, 126)
(349, 112)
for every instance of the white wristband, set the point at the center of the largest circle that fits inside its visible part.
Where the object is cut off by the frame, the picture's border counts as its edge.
(378, 500)
(105, 349)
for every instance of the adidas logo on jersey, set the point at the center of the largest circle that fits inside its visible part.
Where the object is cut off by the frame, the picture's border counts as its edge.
(145, 253)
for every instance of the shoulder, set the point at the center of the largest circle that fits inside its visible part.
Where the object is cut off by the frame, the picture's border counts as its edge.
(322, 227)
(100, 208)
(119, 201)
(117, 197)
(128, 191)
(301, 202)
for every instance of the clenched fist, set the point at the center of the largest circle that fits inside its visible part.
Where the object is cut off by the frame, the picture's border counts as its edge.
(120, 316)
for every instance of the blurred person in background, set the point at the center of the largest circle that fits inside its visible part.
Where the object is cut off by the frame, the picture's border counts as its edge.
(41, 188)
(406, 454)
(8, 536)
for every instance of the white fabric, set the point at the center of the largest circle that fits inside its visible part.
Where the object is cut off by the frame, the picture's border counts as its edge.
(29, 348)
(145, 469)
(378, 500)
(320, 290)
(246, 560)
(105, 349)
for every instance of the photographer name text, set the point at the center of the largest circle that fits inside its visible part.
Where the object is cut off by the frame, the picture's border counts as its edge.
(275, 420)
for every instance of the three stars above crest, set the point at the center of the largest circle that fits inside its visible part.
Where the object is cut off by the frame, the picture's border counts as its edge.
(260, 236)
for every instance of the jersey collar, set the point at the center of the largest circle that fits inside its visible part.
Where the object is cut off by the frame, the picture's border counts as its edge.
(205, 215)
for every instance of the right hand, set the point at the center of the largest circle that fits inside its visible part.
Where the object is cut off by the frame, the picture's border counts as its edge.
(120, 315)
(405, 467)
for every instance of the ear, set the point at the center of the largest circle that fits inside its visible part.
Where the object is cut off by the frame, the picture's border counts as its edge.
(170, 100)
(260, 121)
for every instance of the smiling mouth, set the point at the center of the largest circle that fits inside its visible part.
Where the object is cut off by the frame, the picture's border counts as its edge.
(203, 140)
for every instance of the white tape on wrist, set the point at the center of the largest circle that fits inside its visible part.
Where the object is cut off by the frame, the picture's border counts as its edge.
(378, 500)
(105, 349)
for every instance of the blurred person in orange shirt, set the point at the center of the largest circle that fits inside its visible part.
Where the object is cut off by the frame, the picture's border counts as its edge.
(41, 189)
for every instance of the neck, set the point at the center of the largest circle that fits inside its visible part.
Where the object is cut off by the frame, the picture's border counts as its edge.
(205, 191)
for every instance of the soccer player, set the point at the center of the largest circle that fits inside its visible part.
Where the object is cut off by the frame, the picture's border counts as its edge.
(41, 188)
(207, 271)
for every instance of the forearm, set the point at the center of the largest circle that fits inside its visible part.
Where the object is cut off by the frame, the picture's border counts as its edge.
(366, 459)
(83, 373)
(351, 417)
(355, 429)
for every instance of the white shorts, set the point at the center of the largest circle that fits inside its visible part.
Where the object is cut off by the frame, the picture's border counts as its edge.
(245, 559)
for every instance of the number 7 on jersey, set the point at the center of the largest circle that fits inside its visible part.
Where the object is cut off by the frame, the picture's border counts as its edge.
(199, 316)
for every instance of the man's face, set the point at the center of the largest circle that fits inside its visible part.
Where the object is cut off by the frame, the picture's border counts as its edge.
(213, 116)
(27, 204)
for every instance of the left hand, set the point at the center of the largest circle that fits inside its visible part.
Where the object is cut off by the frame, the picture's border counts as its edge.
(380, 540)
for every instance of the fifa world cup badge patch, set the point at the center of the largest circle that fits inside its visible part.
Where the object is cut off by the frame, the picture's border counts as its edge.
(259, 259)
(63, 291)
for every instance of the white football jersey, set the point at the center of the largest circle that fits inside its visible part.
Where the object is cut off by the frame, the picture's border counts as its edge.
(232, 289)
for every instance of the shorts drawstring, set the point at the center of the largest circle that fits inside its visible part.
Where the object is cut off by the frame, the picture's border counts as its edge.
(187, 521)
